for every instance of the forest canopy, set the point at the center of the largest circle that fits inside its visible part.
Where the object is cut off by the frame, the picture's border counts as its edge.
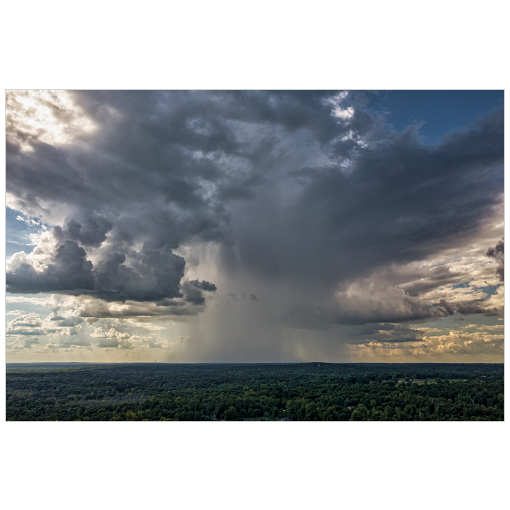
(246, 392)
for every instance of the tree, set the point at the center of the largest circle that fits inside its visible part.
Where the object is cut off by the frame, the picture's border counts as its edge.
(359, 413)
(231, 414)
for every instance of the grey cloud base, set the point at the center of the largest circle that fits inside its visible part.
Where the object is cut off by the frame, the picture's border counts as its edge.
(153, 275)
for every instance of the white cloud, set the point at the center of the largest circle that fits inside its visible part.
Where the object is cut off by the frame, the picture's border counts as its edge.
(339, 111)
(112, 338)
(454, 344)
(145, 325)
(47, 115)
(45, 301)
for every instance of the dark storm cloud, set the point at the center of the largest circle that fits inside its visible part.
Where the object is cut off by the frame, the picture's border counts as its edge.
(303, 190)
(387, 333)
(399, 201)
(153, 275)
(158, 171)
(498, 253)
(449, 309)
(439, 277)
(170, 144)
(365, 311)
(69, 271)
(92, 234)
(469, 308)
(203, 285)
(193, 291)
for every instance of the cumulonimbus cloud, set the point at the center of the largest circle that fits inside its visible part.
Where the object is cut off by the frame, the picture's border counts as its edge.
(307, 196)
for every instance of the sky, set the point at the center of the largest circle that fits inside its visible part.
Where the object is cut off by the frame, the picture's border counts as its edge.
(254, 226)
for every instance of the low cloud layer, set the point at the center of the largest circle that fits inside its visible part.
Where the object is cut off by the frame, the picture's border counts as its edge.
(470, 341)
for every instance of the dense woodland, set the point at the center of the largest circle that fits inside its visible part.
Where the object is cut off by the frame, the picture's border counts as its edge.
(236, 392)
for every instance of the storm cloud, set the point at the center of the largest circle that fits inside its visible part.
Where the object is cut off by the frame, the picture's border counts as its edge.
(498, 253)
(306, 203)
